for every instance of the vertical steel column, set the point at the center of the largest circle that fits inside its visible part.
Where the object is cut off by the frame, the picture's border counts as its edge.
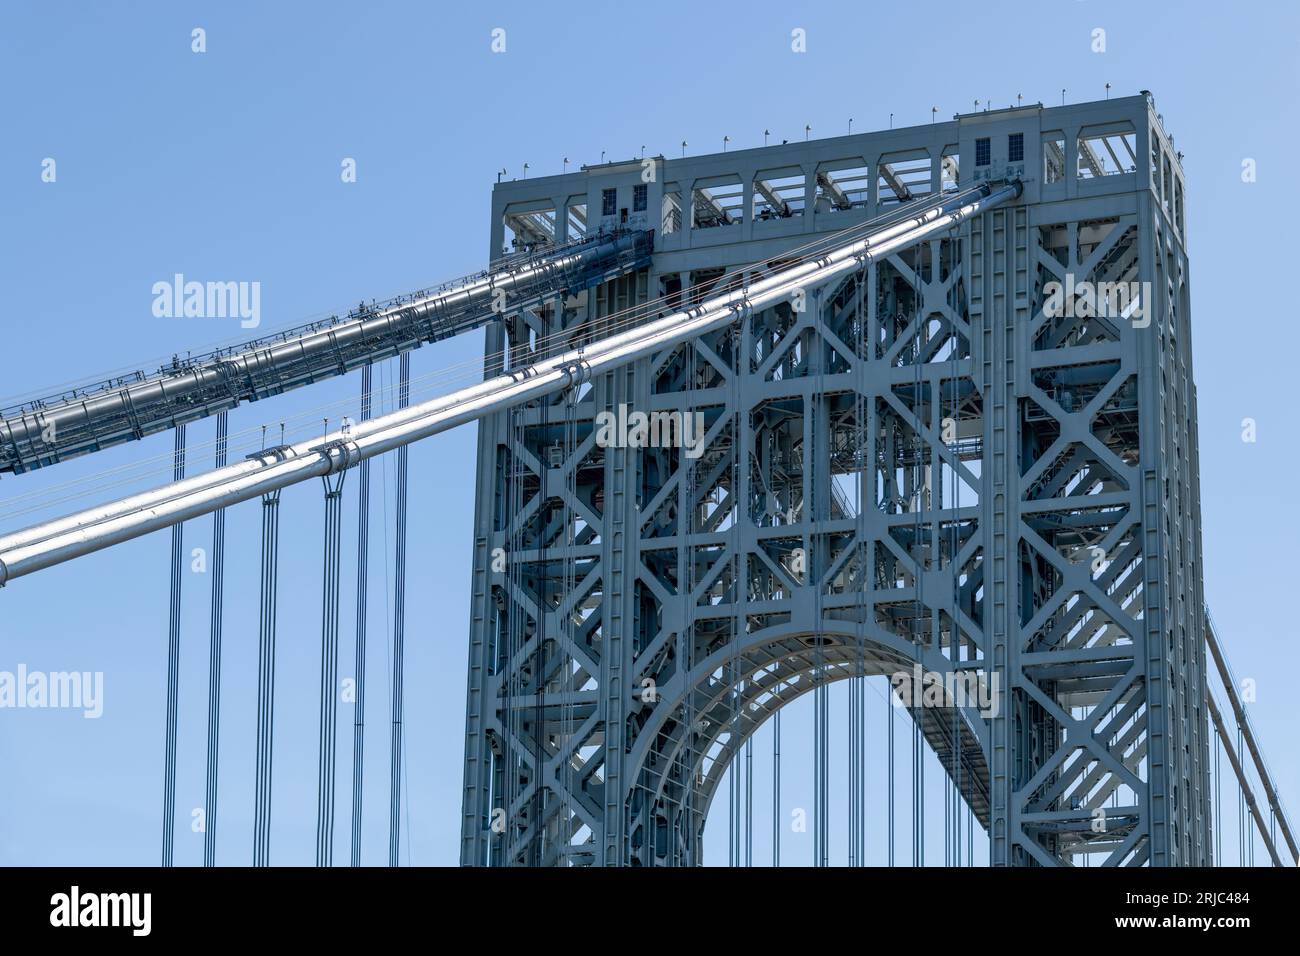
(399, 628)
(217, 568)
(619, 612)
(266, 678)
(329, 668)
(363, 573)
(993, 315)
(173, 665)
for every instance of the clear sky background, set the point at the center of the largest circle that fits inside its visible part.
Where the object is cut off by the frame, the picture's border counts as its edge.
(226, 166)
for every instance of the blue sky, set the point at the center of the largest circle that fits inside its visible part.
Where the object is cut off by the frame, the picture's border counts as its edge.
(226, 165)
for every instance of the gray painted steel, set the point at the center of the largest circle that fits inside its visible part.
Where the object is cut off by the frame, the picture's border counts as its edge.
(1068, 571)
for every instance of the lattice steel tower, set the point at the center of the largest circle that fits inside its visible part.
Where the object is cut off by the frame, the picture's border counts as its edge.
(977, 454)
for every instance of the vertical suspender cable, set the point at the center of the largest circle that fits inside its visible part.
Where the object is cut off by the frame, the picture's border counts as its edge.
(744, 355)
(776, 788)
(737, 684)
(733, 801)
(749, 802)
(955, 640)
(812, 517)
(1218, 812)
(571, 721)
(733, 808)
(217, 567)
(860, 793)
(1250, 860)
(916, 475)
(266, 677)
(920, 764)
(970, 836)
(1247, 829)
(918, 793)
(734, 771)
(873, 336)
(948, 822)
(921, 558)
(744, 846)
(399, 627)
(822, 736)
(889, 708)
(738, 335)
(363, 573)
(329, 668)
(854, 679)
(686, 562)
(1241, 812)
(858, 685)
(853, 771)
(173, 665)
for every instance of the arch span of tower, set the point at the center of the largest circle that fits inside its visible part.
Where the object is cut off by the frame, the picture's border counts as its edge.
(736, 690)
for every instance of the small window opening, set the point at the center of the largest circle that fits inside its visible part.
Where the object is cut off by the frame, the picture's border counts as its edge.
(1016, 148)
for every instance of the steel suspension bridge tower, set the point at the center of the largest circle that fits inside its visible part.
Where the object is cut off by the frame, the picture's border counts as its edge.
(977, 454)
